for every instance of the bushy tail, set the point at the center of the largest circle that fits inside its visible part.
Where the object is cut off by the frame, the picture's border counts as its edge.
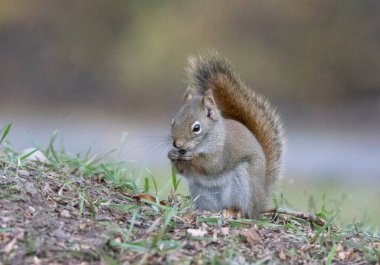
(238, 102)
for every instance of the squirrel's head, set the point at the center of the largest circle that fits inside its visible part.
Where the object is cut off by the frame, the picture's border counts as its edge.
(194, 121)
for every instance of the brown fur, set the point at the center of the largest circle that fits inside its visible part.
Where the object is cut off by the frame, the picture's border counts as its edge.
(238, 102)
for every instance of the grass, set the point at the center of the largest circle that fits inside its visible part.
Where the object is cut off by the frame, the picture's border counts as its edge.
(99, 211)
(351, 202)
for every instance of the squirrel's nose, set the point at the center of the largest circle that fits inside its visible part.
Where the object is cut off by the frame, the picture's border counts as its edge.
(178, 143)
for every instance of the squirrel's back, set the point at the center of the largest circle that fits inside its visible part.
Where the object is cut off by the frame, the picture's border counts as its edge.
(238, 102)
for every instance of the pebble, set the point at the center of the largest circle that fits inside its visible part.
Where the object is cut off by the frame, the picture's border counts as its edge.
(65, 214)
(31, 209)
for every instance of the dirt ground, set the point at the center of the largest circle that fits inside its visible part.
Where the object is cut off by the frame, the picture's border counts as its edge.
(50, 216)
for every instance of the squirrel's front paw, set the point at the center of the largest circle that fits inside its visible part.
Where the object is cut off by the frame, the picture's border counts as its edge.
(179, 155)
(173, 155)
(187, 156)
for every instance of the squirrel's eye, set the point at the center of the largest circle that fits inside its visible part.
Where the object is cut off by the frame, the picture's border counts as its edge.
(196, 127)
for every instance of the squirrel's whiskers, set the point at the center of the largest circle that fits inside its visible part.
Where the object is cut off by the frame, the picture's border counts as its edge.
(157, 145)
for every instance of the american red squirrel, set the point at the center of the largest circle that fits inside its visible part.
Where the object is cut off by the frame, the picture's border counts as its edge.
(227, 139)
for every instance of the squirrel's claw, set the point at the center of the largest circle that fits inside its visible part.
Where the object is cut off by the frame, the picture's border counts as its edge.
(187, 156)
(175, 155)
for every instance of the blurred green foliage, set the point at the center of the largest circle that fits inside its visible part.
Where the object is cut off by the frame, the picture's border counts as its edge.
(131, 54)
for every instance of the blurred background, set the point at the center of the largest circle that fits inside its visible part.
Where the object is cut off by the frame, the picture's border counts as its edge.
(96, 69)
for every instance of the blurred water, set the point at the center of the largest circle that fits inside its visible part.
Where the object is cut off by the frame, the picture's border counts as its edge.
(311, 152)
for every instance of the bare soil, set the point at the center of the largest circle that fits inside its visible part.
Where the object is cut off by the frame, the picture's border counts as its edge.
(49, 216)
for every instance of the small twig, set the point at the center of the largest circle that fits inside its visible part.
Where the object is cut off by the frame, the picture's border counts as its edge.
(306, 216)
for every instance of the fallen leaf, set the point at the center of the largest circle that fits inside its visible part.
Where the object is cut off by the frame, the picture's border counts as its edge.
(251, 236)
(342, 255)
(27, 215)
(164, 203)
(350, 254)
(190, 217)
(4, 238)
(9, 247)
(148, 197)
(282, 255)
(231, 213)
(196, 232)
(339, 248)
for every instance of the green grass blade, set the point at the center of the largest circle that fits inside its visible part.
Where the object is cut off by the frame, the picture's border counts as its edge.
(106, 171)
(109, 260)
(146, 184)
(331, 255)
(6, 131)
(51, 145)
(154, 184)
(132, 224)
(96, 158)
(138, 246)
(28, 154)
(81, 204)
(174, 178)
(168, 215)
(178, 182)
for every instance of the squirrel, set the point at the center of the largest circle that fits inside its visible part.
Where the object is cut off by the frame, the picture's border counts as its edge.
(228, 140)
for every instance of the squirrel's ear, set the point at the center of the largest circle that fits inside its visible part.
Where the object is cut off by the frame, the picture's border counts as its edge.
(209, 104)
(189, 94)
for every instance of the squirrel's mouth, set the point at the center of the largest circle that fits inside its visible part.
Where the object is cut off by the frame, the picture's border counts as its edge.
(182, 151)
